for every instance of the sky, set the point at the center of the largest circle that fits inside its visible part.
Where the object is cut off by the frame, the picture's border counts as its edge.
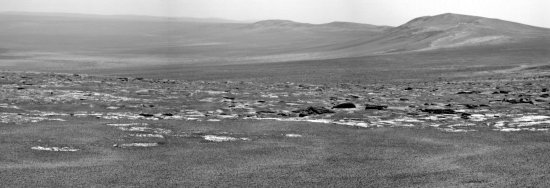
(378, 12)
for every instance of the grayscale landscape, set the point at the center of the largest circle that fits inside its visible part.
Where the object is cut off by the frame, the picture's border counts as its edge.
(447, 100)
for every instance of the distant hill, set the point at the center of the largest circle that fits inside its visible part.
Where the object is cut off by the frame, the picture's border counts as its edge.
(449, 31)
(455, 30)
(99, 40)
(268, 24)
(332, 26)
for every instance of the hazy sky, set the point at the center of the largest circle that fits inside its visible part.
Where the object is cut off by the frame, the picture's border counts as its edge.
(379, 12)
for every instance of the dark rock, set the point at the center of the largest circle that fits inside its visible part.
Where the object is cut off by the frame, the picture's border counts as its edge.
(123, 79)
(166, 81)
(469, 92)
(27, 83)
(546, 95)
(544, 89)
(265, 112)
(354, 96)
(465, 115)
(375, 107)
(519, 101)
(471, 106)
(146, 115)
(403, 99)
(409, 88)
(345, 105)
(312, 110)
(438, 111)
(501, 92)
(229, 98)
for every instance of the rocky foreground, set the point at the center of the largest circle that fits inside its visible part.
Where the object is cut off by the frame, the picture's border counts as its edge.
(517, 101)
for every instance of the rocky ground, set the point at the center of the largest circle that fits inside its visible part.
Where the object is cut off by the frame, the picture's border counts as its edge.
(135, 112)
(515, 103)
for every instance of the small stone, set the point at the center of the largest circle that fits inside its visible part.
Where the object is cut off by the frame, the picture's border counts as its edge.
(375, 107)
(438, 111)
(518, 101)
(345, 105)
(146, 115)
(471, 106)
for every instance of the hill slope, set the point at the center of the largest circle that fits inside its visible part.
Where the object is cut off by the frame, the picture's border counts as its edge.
(449, 31)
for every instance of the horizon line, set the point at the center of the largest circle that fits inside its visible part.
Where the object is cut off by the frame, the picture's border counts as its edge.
(237, 21)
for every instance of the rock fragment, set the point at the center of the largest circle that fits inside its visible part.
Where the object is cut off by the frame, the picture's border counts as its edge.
(438, 111)
(375, 107)
(313, 110)
(519, 101)
(345, 105)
